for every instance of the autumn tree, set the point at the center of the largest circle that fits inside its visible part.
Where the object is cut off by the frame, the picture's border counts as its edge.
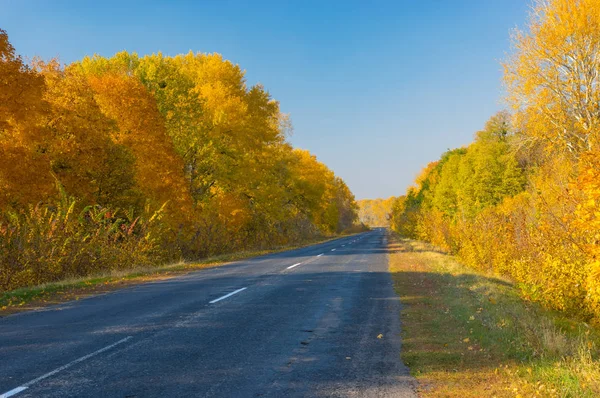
(552, 76)
(82, 153)
(140, 128)
(489, 171)
(23, 158)
(22, 88)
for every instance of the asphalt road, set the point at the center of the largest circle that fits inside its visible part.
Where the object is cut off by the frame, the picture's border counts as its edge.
(322, 321)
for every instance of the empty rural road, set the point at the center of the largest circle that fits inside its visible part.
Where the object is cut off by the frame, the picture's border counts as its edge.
(321, 321)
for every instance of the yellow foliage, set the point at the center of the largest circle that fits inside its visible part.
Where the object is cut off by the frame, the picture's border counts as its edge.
(375, 212)
(545, 238)
(545, 233)
(552, 78)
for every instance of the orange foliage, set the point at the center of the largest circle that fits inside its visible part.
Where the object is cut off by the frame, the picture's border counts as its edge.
(122, 161)
(159, 171)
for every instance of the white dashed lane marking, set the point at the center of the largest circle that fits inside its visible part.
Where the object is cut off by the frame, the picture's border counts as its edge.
(227, 295)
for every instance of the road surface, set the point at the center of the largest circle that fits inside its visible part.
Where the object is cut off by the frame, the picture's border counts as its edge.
(321, 321)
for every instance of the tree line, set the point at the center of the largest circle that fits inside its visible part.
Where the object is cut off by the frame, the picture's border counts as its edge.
(523, 200)
(375, 212)
(116, 162)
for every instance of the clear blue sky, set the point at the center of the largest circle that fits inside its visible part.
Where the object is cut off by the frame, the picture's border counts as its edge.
(376, 89)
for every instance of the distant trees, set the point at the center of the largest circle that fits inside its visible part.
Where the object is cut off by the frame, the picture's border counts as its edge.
(522, 199)
(375, 212)
(176, 155)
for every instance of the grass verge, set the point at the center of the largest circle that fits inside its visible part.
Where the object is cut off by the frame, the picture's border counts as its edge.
(36, 297)
(466, 334)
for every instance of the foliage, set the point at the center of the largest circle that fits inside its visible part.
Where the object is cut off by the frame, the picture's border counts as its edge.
(183, 135)
(522, 200)
(552, 77)
(375, 212)
(42, 244)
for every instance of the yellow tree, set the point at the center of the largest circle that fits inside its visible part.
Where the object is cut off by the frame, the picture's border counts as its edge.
(313, 185)
(553, 81)
(553, 76)
(345, 204)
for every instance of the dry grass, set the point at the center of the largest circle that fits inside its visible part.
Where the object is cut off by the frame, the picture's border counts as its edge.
(466, 334)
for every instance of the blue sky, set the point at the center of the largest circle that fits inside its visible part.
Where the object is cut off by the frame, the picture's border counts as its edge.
(376, 89)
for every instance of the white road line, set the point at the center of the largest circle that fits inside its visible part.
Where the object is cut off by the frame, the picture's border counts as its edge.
(320, 254)
(55, 371)
(13, 392)
(293, 266)
(228, 295)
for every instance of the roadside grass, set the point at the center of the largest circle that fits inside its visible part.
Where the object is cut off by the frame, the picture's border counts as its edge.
(36, 297)
(466, 334)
